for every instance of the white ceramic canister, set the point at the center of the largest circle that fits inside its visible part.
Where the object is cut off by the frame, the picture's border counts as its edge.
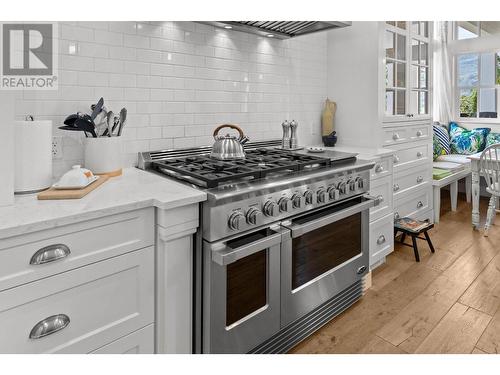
(104, 155)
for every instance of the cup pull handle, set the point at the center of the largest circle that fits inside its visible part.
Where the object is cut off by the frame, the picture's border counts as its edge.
(49, 254)
(49, 325)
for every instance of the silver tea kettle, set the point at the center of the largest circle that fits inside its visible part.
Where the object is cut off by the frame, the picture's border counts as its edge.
(228, 147)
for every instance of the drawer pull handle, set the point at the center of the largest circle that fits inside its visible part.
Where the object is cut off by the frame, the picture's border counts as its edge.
(419, 154)
(395, 136)
(395, 187)
(396, 215)
(379, 168)
(419, 179)
(48, 326)
(395, 159)
(381, 240)
(419, 133)
(420, 204)
(50, 254)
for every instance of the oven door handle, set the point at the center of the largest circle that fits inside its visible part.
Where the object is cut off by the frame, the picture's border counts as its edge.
(224, 255)
(299, 229)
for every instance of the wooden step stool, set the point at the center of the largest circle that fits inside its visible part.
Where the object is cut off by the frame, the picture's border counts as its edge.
(414, 235)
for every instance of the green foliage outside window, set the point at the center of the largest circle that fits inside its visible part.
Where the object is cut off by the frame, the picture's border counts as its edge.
(468, 104)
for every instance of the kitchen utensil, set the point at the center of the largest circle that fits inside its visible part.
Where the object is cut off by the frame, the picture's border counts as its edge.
(109, 118)
(327, 117)
(285, 141)
(330, 140)
(70, 120)
(116, 122)
(97, 108)
(316, 150)
(76, 178)
(123, 118)
(71, 193)
(228, 147)
(294, 141)
(86, 124)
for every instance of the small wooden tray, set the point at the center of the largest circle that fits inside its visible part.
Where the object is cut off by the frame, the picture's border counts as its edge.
(71, 194)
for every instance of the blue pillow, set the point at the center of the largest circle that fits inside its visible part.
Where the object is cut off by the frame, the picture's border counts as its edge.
(492, 139)
(467, 142)
(441, 134)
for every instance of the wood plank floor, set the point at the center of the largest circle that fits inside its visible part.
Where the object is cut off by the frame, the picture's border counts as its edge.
(447, 303)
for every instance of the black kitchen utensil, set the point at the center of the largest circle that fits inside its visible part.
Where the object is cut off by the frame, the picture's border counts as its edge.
(86, 124)
(123, 118)
(97, 108)
(70, 120)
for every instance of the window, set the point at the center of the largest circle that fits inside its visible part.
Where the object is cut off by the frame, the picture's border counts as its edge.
(478, 80)
(474, 29)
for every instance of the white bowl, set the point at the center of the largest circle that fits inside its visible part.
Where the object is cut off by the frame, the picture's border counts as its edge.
(76, 178)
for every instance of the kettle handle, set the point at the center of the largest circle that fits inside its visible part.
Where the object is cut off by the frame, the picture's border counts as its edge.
(235, 127)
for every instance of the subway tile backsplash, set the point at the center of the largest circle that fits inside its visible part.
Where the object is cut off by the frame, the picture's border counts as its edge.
(179, 80)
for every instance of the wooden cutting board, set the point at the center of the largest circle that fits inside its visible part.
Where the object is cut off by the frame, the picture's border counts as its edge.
(72, 193)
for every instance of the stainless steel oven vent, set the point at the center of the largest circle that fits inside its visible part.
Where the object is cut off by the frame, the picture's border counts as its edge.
(280, 29)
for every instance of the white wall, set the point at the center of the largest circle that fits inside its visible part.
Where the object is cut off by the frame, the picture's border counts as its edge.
(179, 80)
(353, 82)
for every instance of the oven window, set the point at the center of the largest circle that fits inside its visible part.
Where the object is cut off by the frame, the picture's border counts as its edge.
(246, 286)
(323, 249)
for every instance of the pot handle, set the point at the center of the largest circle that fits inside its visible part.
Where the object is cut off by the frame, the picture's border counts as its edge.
(235, 127)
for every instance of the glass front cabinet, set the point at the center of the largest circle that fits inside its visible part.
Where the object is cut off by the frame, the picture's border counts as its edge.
(407, 70)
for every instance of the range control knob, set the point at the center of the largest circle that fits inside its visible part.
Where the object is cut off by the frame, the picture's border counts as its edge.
(297, 200)
(360, 183)
(271, 208)
(235, 220)
(342, 187)
(285, 204)
(351, 184)
(321, 194)
(333, 193)
(253, 215)
(308, 196)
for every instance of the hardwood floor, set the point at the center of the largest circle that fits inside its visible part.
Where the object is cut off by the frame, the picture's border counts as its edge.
(447, 303)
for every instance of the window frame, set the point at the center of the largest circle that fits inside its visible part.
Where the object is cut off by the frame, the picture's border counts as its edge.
(477, 45)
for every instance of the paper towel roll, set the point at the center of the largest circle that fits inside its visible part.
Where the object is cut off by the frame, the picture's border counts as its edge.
(33, 156)
(6, 148)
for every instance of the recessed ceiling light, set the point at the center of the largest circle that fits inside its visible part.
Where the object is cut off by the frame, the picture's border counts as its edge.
(228, 27)
(270, 35)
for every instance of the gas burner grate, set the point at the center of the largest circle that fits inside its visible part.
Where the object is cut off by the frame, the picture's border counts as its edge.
(258, 163)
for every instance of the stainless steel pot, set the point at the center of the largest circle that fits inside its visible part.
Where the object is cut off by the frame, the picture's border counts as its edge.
(228, 147)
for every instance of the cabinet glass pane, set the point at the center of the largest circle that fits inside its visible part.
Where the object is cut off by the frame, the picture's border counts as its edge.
(389, 74)
(423, 76)
(468, 102)
(400, 75)
(400, 102)
(424, 47)
(414, 76)
(414, 101)
(401, 24)
(488, 102)
(415, 57)
(422, 103)
(389, 102)
(401, 47)
(389, 44)
(468, 70)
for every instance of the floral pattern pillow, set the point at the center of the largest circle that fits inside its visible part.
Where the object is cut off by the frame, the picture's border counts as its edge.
(437, 148)
(467, 142)
(492, 139)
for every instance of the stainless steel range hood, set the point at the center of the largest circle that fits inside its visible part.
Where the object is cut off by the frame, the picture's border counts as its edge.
(280, 29)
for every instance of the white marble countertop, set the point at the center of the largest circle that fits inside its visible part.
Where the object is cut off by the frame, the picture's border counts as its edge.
(363, 152)
(135, 189)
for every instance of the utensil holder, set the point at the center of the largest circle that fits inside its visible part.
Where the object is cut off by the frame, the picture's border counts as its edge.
(104, 155)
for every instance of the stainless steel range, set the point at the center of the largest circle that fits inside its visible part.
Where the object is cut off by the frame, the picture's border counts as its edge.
(282, 245)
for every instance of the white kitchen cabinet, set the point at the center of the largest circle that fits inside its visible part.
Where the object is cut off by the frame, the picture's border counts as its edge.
(380, 77)
(95, 305)
(138, 342)
(174, 269)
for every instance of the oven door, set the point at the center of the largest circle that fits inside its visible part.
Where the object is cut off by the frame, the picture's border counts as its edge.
(323, 253)
(241, 299)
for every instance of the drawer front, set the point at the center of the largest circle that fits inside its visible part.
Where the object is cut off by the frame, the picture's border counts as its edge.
(405, 158)
(407, 133)
(410, 179)
(139, 342)
(419, 132)
(101, 302)
(382, 168)
(73, 246)
(381, 239)
(382, 188)
(414, 203)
